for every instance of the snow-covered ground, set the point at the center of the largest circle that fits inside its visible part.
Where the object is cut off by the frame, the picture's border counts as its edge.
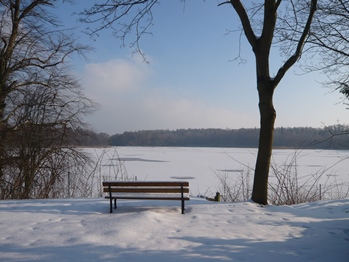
(84, 230)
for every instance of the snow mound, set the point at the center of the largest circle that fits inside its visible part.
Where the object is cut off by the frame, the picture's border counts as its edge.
(84, 230)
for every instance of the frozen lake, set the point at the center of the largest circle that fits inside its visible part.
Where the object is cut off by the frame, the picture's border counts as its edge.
(200, 166)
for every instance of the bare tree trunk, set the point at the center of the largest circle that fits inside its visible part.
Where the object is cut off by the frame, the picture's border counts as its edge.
(2, 146)
(266, 137)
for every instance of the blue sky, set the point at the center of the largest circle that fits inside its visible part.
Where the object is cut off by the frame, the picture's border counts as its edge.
(191, 80)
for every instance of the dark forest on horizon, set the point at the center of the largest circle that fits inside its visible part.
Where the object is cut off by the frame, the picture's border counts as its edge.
(331, 137)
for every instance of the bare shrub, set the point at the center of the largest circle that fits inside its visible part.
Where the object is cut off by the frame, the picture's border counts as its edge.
(85, 174)
(108, 166)
(289, 186)
(286, 185)
(235, 188)
(334, 188)
(42, 174)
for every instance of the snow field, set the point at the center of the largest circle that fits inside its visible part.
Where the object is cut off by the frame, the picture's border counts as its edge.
(84, 230)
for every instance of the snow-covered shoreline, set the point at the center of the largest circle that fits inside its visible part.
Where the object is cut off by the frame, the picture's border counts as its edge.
(84, 230)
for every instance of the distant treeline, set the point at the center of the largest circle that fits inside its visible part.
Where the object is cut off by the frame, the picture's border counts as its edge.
(88, 138)
(332, 137)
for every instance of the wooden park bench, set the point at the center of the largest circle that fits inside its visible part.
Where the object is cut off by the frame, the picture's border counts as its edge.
(166, 190)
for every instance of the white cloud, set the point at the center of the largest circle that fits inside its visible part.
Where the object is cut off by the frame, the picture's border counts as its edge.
(145, 113)
(184, 113)
(129, 102)
(111, 78)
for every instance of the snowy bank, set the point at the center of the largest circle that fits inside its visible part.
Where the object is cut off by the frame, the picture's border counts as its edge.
(84, 230)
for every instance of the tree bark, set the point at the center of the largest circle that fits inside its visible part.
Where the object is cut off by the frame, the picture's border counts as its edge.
(2, 142)
(266, 138)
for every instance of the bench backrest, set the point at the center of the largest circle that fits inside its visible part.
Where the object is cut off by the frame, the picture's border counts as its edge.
(146, 187)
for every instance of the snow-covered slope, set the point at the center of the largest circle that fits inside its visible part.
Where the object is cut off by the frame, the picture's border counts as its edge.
(83, 230)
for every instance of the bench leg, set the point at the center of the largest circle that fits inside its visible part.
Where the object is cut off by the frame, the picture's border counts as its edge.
(183, 206)
(111, 199)
(115, 203)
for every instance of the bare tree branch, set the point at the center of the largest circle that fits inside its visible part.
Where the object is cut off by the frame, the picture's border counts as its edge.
(110, 14)
(293, 59)
(240, 10)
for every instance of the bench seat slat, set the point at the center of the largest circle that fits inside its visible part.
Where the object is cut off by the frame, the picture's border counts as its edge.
(145, 190)
(146, 183)
(149, 198)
